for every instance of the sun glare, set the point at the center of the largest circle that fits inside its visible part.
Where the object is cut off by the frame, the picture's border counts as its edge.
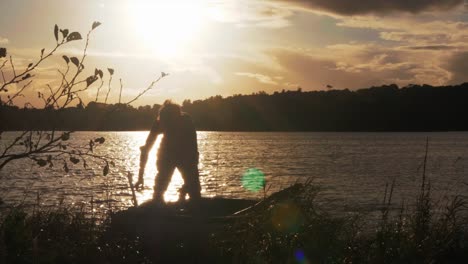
(168, 28)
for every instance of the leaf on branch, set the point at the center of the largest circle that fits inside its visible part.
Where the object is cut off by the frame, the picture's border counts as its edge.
(49, 160)
(3, 52)
(67, 60)
(100, 140)
(74, 36)
(74, 160)
(75, 61)
(111, 71)
(30, 65)
(90, 80)
(56, 30)
(65, 136)
(41, 162)
(65, 167)
(91, 145)
(64, 33)
(42, 52)
(105, 171)
(26, 76)
(96, 24)
(98, 72)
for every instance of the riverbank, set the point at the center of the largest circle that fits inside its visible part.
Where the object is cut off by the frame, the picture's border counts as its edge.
(286, 227)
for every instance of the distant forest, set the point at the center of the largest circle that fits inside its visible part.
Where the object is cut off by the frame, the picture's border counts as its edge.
(384, 108)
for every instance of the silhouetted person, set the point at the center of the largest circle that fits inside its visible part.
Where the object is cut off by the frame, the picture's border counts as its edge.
(178, 149)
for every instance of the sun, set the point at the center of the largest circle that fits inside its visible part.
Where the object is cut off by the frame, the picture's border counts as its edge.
(168, 28)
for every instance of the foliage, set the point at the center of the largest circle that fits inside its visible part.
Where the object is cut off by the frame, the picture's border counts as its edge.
(385, 108)
(45, 144)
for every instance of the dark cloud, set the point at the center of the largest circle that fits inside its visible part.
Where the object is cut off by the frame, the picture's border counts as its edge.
(375, 6)
(432, 47)
(458, 66)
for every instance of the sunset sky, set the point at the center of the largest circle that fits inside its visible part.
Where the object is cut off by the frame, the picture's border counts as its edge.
(226, 47)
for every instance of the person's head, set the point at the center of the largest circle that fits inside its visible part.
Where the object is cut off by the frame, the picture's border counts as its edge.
(169, 112)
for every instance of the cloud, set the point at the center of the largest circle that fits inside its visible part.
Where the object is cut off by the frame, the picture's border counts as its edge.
(432, 47)
(3, 41)
(374, 6)
(414, 37)
(360, 65)
(458, 66)
(259, 77)
(248, 13)
(412, 30)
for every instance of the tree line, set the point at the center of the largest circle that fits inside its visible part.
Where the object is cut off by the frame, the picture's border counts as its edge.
(383, 108)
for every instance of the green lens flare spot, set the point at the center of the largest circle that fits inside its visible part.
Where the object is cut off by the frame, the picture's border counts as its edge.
(253, 180)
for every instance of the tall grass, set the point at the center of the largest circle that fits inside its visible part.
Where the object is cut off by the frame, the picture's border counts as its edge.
(62, 235)
(284, 228)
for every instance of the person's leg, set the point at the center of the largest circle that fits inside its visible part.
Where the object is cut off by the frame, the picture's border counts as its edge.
(163, 178)
(190, 174)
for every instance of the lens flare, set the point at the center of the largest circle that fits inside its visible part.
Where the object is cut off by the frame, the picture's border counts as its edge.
(300, 256)
(253, 180)
(287, 217)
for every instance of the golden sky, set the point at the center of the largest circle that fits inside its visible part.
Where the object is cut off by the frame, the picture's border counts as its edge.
(226, 47)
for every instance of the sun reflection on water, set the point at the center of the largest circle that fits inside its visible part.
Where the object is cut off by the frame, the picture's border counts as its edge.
(146, 194)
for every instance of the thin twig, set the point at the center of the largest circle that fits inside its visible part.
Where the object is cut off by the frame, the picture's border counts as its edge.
(99, 89)
(120, 95)
(108, 91)
(146, 90)
(423, 184)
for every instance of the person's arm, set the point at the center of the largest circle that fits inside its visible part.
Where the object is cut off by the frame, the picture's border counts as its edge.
(145, 149)
(153, 134)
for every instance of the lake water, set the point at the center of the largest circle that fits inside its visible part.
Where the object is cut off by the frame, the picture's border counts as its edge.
(351, 169)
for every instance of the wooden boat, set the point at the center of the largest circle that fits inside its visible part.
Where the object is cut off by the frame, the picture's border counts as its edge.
(152, 216)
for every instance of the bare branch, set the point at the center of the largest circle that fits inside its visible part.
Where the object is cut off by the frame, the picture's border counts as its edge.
(19, 93)
(120, 94)
(108, 91)
(99, 89)
(12, 66)
(147, 89)
(3, 77)
(20, 77)
(3, 64)
(38, 145)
